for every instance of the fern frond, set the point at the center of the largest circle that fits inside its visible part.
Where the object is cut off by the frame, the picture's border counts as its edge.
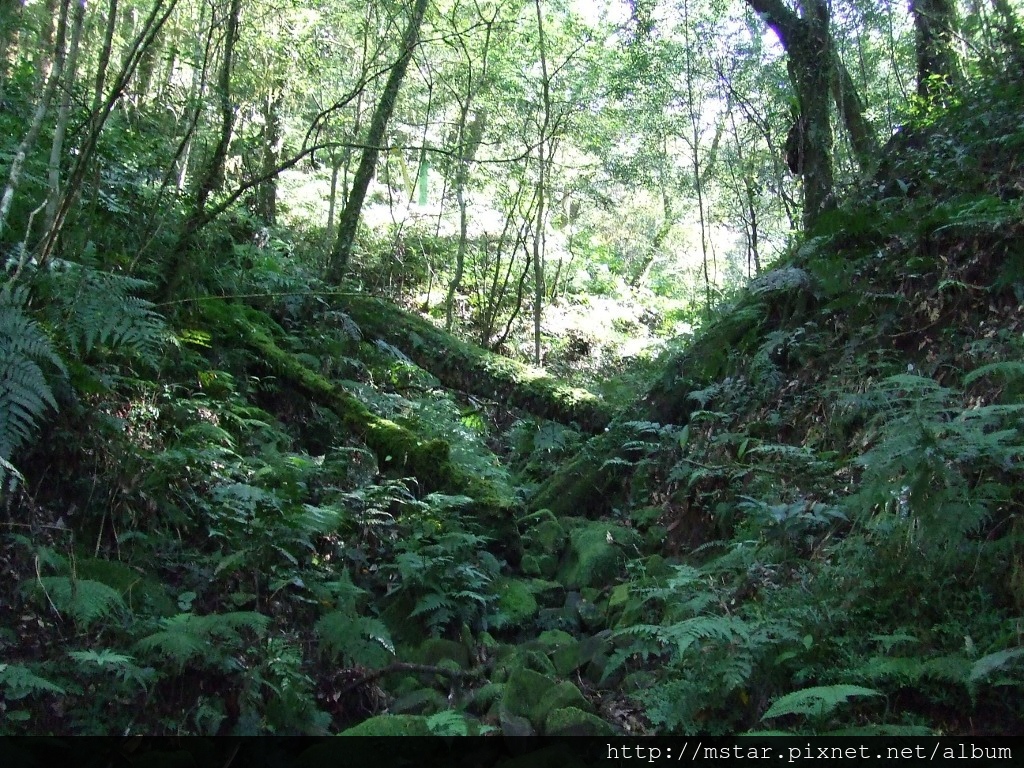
(187, 637)
(24, 391)
(816, 702)
(104, 313)
(84, 600)
(362, 640)
(18, 681)
(986, 665)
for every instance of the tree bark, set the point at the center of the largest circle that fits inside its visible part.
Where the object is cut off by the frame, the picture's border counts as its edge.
(937, 62)
(811, 60)
(51, 69)
(348, 222)
(60, 129)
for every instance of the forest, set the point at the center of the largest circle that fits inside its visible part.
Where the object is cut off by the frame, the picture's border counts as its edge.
(511, 367)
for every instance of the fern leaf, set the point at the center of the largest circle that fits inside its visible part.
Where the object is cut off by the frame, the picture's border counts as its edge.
(816, 702)
(24, 391)
(986, 665)
(18, 681)
(362, 640)
(83, 599)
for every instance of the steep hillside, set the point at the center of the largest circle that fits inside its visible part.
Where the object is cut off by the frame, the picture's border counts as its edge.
(834, 467)
(306, 512)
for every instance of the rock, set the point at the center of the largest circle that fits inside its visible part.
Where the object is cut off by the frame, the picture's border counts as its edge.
(595, 554)
(391, 725)
(526, 692)
(516, 602)
(570, 721)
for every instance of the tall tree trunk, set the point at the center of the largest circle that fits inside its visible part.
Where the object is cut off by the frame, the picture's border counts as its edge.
(934, 30)
(213, 171)
(266, 192)
(158, 15)
(538, 233)
(348, 223)
(810, 62)
(52, 64)
(10, 18)
(60, 129)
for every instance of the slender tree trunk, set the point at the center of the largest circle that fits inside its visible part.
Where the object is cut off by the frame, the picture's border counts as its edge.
(159, 13)
(862, 135)
(538, 233)
(60, 129)
(52, 63)
(213, 172)
(266, 193)
(10, 19)
(348, 223)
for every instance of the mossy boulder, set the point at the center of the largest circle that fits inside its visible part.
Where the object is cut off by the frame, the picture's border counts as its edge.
(391, 725)
(547, 537)
(564, 694)
(423, 701)
(482, 699)
(595, 554)
(434, 650)
(539, 566)
(516, 602)
(554, 638)
(526, 694)
(572, 721)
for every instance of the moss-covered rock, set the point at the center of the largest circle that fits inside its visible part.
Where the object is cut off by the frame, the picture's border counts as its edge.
(516, 602)
(525, 693)
(595, 554)
(539, 566)
(571, 721)
(554, 638)
(482, 699)
(564, 694)
(391, 725)
(434, 650)
(423, 701)
(547, 537)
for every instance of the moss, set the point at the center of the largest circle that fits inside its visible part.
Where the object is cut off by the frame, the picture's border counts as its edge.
(571, 721)
(391, 725)
(423, 701)
(554, 638)
(547, 537)
(526, 693)
(434, 650)
(516, 602)
(468, 368)
(591, 560)
(398, 449)
(563, 695)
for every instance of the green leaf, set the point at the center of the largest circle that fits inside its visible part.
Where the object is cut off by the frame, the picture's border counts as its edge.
(816, 702)
(984, 666)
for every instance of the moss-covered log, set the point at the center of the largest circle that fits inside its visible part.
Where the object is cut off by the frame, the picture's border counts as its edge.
(468, 368)
(397, 448)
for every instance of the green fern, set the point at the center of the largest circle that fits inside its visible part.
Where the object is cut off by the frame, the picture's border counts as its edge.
(986, 665)
(817, 702)
(24, 391)
(186, 637)
(360, 640)
(97, 309)
(84, 600)
(18, 681)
